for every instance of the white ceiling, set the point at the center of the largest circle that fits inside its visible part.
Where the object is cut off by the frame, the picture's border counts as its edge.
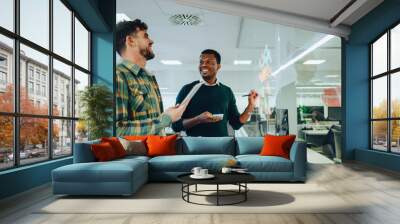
(237, 37)
(320, 9)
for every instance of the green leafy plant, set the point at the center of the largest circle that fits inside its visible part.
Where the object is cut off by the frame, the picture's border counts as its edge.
(96, 102)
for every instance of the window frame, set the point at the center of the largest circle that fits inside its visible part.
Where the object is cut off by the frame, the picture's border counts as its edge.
(16, 114)
(388, 74)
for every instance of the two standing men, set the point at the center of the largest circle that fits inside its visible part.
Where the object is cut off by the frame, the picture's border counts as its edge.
(138, 100)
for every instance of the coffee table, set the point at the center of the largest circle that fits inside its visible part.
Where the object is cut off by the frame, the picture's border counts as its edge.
(238, 179)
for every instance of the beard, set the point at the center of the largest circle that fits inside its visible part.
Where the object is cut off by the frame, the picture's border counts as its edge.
(205, 75)
(147, 53)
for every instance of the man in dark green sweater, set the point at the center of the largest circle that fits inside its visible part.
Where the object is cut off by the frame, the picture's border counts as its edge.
(211, 98)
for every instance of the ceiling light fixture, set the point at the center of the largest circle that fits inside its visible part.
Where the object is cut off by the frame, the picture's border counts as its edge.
(304, 53)
(242, 62)
(312, 87)
(327, 84)
(313, 62)
(332, 76)
(171, 62)
(122, 17)
(309, 93)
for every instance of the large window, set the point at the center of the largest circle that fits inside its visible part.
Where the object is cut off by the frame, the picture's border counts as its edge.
(44, 64)
(385, 96)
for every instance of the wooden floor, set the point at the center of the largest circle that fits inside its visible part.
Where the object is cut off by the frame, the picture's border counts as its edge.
(378, 188)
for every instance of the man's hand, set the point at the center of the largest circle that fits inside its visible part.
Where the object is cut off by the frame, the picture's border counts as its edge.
(207, 117)
(175, 113)
(253, 96)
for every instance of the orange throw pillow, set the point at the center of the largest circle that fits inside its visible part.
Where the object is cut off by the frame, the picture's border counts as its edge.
(103, 151)
(277, 145)
(161, 145)
(116, 145)
(135, 138)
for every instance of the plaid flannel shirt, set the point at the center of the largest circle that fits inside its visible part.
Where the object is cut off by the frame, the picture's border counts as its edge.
(138, 102)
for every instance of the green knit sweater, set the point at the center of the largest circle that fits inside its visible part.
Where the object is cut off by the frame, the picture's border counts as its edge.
(218, 99)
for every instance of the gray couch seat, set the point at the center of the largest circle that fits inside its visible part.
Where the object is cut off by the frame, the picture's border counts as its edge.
(184, 163)
(167, 168)
(116, 177)
(257, 163)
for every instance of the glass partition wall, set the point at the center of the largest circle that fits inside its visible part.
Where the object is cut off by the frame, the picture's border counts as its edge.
(296, 72)
(38, 66)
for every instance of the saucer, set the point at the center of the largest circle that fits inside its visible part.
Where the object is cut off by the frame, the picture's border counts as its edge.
(220, 116)
(208, 176)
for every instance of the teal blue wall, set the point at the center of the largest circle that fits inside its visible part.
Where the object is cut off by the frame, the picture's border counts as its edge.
(102, 59)
(356, 99)
(103, 56)
(99, 15)
(24, 178)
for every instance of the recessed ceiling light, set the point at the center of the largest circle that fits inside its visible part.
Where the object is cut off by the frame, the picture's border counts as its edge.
(327, 84)
(171, 62)
(312, 87)
(313, 62)
(242, 62)
(309, 93)
(332, 76)
(122, 17)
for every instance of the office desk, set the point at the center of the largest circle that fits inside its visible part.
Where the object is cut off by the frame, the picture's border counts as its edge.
(315, 137)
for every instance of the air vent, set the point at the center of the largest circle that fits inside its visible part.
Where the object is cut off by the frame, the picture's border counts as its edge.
(185, 20)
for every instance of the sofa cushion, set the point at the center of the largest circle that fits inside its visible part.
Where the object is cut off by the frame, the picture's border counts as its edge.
(132, 158)
(116, 145)
(103, 152)
(185, 163)
(135, 147)
(206, 145)
(136, 137)
(161, 145)
(277, 145)
(257, 163)
(249, 145)
(83, 152)
(112, 171)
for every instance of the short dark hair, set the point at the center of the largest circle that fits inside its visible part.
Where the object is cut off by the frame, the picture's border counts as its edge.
(215, 53)
(126, 28)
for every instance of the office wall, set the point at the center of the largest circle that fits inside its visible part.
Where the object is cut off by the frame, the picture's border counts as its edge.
(103, 57)
(356, 82)
(99, 15)
(24, 178)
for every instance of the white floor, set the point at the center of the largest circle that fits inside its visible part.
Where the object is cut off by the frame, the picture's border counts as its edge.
(314, 157)
(377, 189)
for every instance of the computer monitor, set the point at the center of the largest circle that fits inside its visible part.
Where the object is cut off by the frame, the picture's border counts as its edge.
(335, 113)
(310, 112)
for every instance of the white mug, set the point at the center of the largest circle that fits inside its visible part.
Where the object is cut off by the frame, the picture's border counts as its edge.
(226, 170)
(196, 170)
(203, 172)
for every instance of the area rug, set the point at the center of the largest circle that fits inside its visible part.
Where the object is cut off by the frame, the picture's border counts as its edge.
(166, 198)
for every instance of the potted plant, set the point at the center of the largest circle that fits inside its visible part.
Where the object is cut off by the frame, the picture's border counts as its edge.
(96, 102)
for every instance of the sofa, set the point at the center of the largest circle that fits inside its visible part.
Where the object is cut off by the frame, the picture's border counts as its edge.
(126, 175)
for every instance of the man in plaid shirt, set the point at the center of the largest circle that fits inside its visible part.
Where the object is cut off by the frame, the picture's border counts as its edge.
(138, 101)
